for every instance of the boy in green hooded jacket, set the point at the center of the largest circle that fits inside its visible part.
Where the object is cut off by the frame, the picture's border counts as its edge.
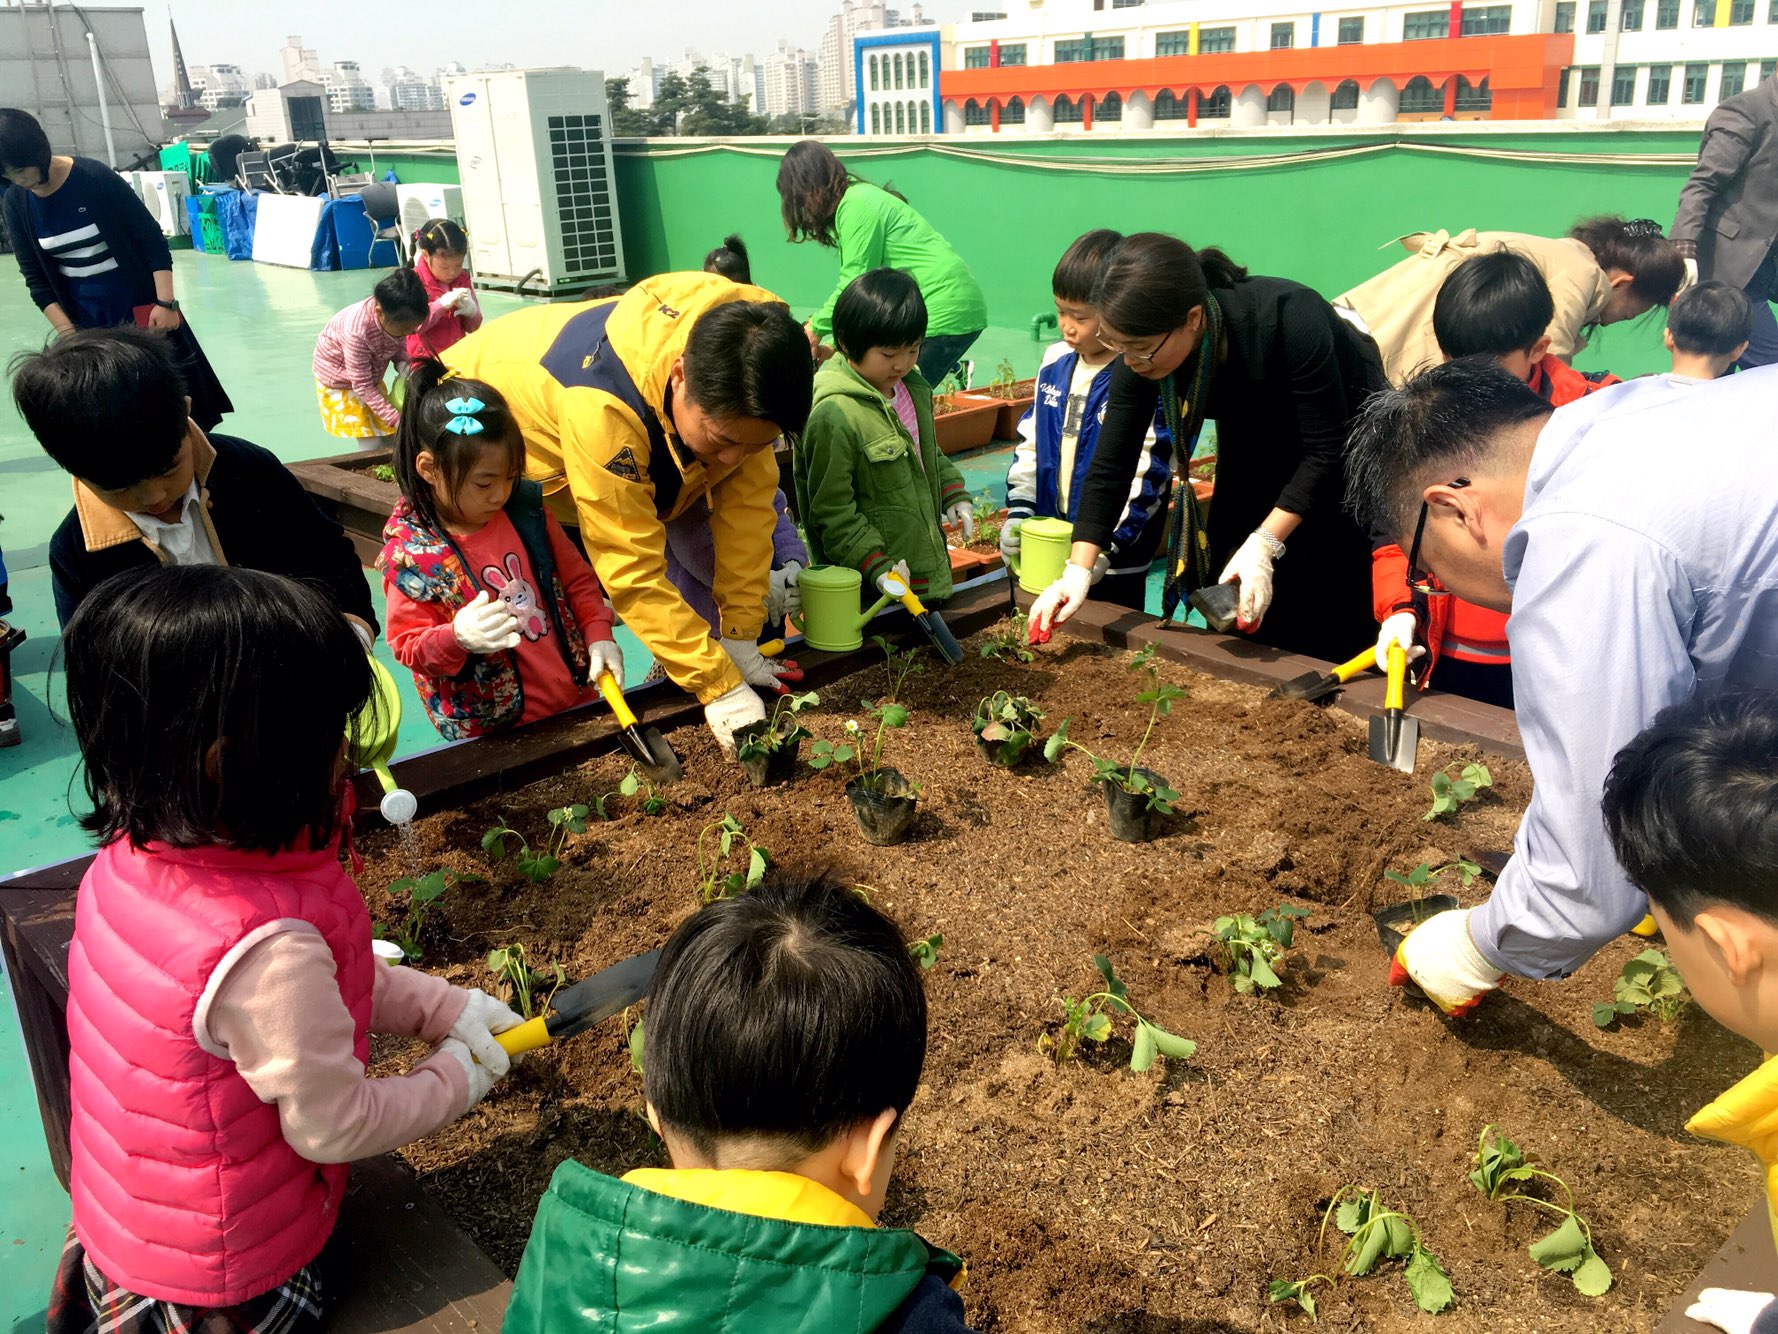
(871, 482)
(786, 1034)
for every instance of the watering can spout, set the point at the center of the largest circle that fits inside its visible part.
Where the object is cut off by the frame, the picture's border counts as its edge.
(371, 738)
(398, 806)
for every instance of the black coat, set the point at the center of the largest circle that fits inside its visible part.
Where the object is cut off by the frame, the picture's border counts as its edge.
(134, 238)
(1283, 402)
(263, 520)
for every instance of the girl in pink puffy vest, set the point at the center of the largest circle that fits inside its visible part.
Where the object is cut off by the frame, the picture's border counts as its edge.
(221, 984)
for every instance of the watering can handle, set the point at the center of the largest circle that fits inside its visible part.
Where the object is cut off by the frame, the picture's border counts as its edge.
(614, 696)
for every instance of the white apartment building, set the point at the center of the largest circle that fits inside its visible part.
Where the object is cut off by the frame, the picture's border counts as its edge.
(837, 86)
(347, 88)
(644, 83)
(792, 79)
(404, 89)
(298, 63)
(218, 86)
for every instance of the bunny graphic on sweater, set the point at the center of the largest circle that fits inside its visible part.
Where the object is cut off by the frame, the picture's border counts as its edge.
(512, 589)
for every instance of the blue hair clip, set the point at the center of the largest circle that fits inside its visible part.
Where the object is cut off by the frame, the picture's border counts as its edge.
(463, 412)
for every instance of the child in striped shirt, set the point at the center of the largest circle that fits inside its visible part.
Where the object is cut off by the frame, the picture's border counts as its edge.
(355, 351)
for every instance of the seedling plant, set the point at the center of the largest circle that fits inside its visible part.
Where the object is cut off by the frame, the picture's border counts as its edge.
(533, 865)
(715, 883)
(925, 952)
(1423, 875)
(1089, 1020)
(824, 753)
(526, 985)
(1648, 982)
(987, 532)
(422, 893)
(1010, 644)
(636, 784)
(901, 662)
(1252, 947)
(1502, 1171)
(1160, 697)
(1449, 794)
(782, 730)
(1011, 720)
(1375, 1234)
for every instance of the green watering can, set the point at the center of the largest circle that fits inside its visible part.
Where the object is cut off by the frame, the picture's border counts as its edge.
(831, 619)
(1043, 552)
(370, 744)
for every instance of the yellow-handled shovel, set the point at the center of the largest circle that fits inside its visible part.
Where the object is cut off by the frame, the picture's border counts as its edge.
(577, 1008)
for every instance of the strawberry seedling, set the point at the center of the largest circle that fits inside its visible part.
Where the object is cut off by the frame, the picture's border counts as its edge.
(782, 730)
(1648, 982)
(533, 865)
(1089, 1020)
(1010, 644)
(1160, 697)
(1374, 1234)
(1502, 1171)
(525, 984)
(713, 882)
(1253, 946)
(1450, 794)
(422, 893)
(901, 663)
(1005, 726)
(1425, 874)
(925, 952)
(636, 783)
(889, 715)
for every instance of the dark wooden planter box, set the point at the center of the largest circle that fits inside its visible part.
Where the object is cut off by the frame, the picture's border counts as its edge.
(344, 488)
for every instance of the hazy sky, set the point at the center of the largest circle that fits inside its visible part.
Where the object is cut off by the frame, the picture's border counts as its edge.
(596, 34)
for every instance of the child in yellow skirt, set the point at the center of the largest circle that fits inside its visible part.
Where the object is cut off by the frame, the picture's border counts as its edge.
(355, 351)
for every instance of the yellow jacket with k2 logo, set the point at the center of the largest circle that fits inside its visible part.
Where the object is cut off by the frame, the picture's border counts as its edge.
(588, 384)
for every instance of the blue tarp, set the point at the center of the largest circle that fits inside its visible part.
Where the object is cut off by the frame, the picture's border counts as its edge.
(237, 211)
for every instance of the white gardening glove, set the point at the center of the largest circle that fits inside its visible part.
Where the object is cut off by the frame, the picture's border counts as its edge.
(1399, 628)
(1101, 563)
(731, 710)
(1251, 567)
(1059, 601)
(1729, 1309)
(1691, 280)
(454, 298)
(900, 571)
(483, 1016)
(603, 655)
(784, 595)
(1439, 957)
(758, 670)
(964, 513)
(486, 626)
(481, 1077)
(1010, 541)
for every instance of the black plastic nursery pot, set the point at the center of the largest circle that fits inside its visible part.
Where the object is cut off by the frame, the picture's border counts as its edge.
(1007, 753)
(884, 807)
(773, 768)
(1132, 819)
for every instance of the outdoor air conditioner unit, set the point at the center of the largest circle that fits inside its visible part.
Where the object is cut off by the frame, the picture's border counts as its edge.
(164, 193)
(534, 156)
(419, 204)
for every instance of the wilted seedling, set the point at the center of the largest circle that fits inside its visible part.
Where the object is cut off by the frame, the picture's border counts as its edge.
(509, 965)
(1011, 722)
(636, 783)
(1502, 1171)
(925, 952)
(1375, 1234)
(1449, 794)
(713, 882)
(422, 892)
(539, 866)
(1011, 644)
(1089, 1020)
(901, 662)
(1253, 946)
(1648, 982)
(1160, 697)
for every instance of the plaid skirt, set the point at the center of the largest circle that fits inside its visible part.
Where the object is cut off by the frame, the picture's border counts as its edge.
(84, 1301)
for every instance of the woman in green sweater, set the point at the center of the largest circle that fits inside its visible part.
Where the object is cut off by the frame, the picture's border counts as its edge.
(874, 229)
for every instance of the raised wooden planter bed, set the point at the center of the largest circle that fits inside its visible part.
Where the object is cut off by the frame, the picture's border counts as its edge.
(345, 489)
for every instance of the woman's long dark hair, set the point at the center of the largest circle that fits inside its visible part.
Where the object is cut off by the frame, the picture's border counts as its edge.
(1152, 281)
(811, 182)
(210, 703)
(1640, 249)
(424, 420)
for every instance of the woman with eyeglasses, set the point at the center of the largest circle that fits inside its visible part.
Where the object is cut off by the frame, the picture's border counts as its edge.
(1283, 376)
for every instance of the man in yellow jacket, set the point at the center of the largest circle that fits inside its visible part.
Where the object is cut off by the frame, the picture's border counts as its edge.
(635, 408)
(1692, 806)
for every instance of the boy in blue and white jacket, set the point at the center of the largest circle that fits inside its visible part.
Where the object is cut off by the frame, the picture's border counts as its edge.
(1057, 436)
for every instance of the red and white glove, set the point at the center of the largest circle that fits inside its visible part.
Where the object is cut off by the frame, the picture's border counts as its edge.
(1439, 957)
(1251, 568)
(1059, 601)
(758, 670)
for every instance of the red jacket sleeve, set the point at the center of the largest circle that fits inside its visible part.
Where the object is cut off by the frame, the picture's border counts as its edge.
(1389, 582)
(585, 598)
(420, 635)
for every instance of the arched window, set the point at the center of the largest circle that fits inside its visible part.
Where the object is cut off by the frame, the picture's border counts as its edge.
(1420, 96)
(976, 113)
(1345, 97)
(1109, 107)
(1473, 97)
(1169, 107)
(874, 84)
(898, 82)
(1282, 99)
(1067, 111)
(925, 70)
(876, 118)
(1013, 113)
(901, 118)
(1215, 106)
(925, 115)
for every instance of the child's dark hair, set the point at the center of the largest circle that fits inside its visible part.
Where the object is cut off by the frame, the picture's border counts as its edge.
(1077, 272)
(1492, 305)
(1152, 281)
(426, 423)
(730, 260)
(108, 405)
(792, 1012)
(751, 359)
(441, 236)
(210, 703)
(1640, 249)
(882, 308)
(1692, 806)
(401, 295)
(22, 142)
(1710, 320)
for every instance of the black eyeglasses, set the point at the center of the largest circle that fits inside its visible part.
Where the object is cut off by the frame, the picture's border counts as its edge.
(1418, 579)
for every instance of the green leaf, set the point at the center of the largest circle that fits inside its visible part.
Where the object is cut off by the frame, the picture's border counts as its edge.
(1145, 1049)
(1368, 1246)
(1401, 1237)
(1441, 784)
(1564, 1249)
(494, 841)
(1115, 987)
(1058, 741)
(431, 885)
(1096, 1028)
(1261, 971)
(1593, 1277)
(893, 715)
(637, 1047)
(1462, 791)
(1428, 1281)
(630, 786)
(1349, 1217)
(1604, 1014)
(1171, 1045)
(756, 867)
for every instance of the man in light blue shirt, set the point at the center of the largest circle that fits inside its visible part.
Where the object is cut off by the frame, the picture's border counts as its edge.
(1633, 537)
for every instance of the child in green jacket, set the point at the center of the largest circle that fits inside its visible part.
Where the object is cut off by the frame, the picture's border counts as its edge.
(786, 1033)
(871, 483)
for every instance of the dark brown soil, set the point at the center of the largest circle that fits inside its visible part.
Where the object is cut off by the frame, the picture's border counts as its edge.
(1086, 1198)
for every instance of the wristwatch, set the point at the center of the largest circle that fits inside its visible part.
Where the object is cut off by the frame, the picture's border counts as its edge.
(167, 305)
